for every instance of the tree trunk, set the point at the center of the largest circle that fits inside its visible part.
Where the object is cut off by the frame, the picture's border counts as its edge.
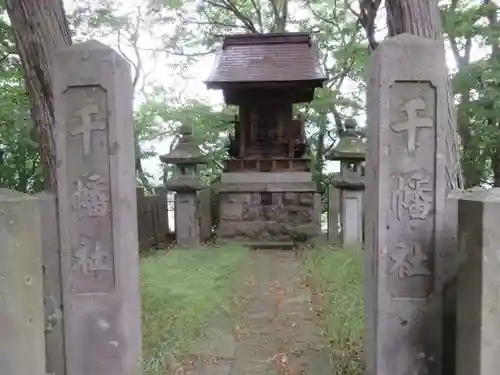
(422, 18)
(40, 27)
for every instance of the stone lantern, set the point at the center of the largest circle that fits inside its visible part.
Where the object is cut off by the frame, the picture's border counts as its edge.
(349, 184)
(186, 156)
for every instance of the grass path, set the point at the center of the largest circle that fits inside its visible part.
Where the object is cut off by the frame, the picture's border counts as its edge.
(230, 311)
(274, 331)
(335, 277)
(182, 292)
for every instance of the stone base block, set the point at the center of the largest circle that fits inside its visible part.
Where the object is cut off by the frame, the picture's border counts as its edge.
(268, 216)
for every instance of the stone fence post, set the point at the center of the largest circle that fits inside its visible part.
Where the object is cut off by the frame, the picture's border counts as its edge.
(478, 286)
(22, 346)
(406, 187)
(97, 210)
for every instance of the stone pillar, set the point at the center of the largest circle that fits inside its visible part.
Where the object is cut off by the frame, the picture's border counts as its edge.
(406, 187)
(206, 214)
(351, 152)
(352, 217)
(97, 210)
(478, 286)
(51, 258)
(333, 215)
(22, 347)
(187, 229)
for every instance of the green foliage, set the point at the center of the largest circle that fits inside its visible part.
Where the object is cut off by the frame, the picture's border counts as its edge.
(336, 278)
(470, 24)
(19, 155)
(181, 32)
(177, 305)
(197, 28)
(210, 126)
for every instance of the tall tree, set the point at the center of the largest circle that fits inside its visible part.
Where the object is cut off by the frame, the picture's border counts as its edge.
(40, 27)
(422, 18)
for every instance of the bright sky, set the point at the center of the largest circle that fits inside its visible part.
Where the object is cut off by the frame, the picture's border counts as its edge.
(161, 74)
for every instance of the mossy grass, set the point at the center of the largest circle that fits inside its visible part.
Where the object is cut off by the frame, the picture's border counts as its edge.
(336, 279)
(182, 291)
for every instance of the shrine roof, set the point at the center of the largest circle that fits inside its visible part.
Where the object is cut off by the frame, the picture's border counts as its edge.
(277, 57)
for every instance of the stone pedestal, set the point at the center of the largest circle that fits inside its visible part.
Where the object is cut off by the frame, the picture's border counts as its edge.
(187, 228)
(22, 346)
(351, 203)
(406, 186)
(267, 207)
(97, 210)
(478, 287)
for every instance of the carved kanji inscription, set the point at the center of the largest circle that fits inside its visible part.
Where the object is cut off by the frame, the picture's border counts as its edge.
(91, 258)
(87, 125)
(409, 260)
(409, 268)
(413, 122)
(91, 196)
(413, 194)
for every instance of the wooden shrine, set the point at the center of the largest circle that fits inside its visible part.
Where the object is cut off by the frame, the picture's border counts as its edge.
(266, 193)
(265, 75)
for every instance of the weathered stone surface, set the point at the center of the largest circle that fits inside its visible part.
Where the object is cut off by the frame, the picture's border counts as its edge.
(97, 210)
(351, 217)
(287, 216)
(187, 228)
(405, 196)
(22, 347)
(450, 266)
(52, 287)
(478, 287)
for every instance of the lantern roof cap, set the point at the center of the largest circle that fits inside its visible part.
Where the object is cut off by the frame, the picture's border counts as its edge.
(186, 151)
(350, 146)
